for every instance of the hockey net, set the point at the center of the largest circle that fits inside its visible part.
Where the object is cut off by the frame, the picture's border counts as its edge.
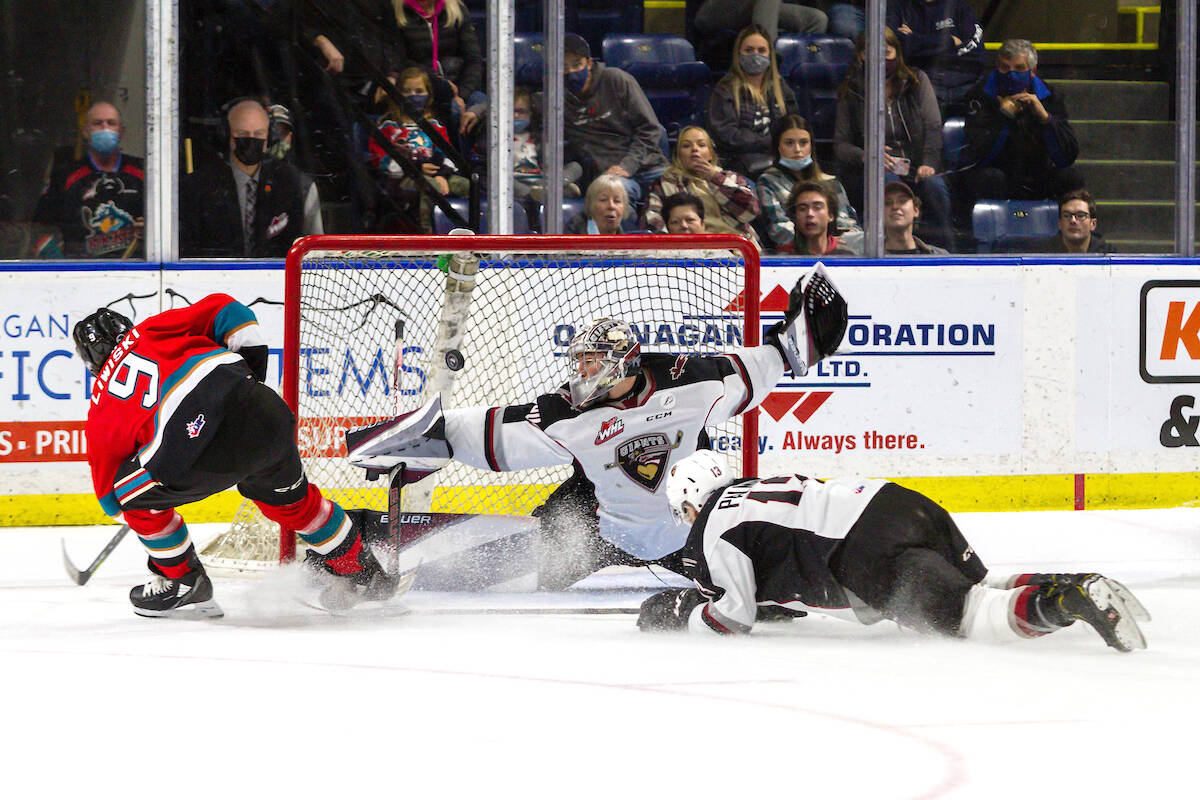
(366, 334)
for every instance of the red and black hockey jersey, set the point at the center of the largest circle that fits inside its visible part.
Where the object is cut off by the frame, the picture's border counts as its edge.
(163, 393)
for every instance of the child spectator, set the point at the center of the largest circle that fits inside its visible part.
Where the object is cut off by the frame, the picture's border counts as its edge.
(528, 180)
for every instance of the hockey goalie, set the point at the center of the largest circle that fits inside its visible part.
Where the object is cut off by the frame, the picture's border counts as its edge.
(621, 420)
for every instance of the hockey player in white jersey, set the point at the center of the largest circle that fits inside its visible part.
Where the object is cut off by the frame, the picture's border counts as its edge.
(621, 420)
(861, 549)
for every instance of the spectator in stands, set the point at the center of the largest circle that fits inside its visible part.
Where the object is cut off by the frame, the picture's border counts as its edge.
(770, 15)
(440, 37)
(912, 136)
(814, 211)
(247, 207)
(684, 213)
(279, 138)
(730, 204)
(399, 125)
(901, 209)
(792, 142)
(847, 19)
(609, 126)
(1076, 226)
(97, 202)
(1020, 140)
(605, 208)
(746, 102)
(528, 180)
(944, 40)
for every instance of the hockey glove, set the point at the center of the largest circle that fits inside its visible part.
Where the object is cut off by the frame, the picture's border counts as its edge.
(668, 610)
(814, 324)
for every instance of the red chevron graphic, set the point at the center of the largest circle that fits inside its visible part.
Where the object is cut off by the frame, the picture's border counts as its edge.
(779, 403)
(809, 405)
(776, 300)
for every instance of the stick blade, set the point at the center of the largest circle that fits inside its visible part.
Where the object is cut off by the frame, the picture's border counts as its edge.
(72, 572)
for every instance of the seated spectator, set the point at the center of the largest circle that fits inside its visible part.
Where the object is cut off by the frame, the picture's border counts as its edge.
(609, 126)
(746, 102)
(943, 39)
(847, 19)
(439, 36)
(1076, 227)
(912, 137)
(606, 207)
(528, 180)
(730, 204)
(814, 210)
(770, 15)
(97, 202)
(1018, 135)
(684, 213)
(399, 126)
(792, 140)
(901, 209)
(279, 139)
(249, 206)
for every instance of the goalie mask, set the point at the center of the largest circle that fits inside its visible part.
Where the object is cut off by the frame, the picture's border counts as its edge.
(97, 334)
(602, 355)
(693, 480)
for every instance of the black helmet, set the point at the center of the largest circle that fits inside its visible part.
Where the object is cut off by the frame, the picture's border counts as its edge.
(97, 334)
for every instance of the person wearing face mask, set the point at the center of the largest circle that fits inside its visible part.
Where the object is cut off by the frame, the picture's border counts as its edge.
(1019, 137)
(244, 206)
(98, 201)
(280, 148)
(747, 101)
(606, 209)
(792, 141)
(529, 182)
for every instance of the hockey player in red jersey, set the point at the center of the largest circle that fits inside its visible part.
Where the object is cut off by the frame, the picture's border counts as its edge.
(179, 412)
(621, 420)
(861, 549)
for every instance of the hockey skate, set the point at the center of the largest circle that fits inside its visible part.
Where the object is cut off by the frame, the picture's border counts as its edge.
(1134, 606)
(340, 590)
(187, 597)
(1101, 603)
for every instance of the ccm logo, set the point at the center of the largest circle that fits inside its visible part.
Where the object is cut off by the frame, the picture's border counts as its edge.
(1170, 332)
(660, 415)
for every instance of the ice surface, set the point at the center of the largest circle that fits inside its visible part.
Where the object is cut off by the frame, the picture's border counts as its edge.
(279, 700)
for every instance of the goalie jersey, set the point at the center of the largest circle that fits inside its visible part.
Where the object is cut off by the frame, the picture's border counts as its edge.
(770, 541)
(163, 392)
(624, 448)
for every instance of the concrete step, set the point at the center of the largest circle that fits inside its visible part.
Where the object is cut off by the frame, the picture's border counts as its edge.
(1114, 99)
(1125, 139)
(1129, 179)
(1138, 219)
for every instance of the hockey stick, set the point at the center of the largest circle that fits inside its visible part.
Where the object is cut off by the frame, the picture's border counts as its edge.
(83, 577)
(527, 611)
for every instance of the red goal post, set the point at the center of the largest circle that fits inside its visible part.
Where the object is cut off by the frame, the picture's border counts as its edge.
(346, 296)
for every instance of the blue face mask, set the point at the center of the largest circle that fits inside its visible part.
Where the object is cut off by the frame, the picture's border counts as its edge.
(1014, 82)
(415, 103)
(795, 164)
(575, 81)
(104, 142)
(520, 124)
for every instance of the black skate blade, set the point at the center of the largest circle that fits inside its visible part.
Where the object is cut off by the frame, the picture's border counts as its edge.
(206, 610)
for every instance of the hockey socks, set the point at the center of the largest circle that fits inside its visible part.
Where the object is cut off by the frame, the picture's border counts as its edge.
(164, 534)
(321, 523)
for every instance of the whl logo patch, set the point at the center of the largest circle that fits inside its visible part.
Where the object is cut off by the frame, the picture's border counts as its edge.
(609, 429)
(195, 426)
(644, 459)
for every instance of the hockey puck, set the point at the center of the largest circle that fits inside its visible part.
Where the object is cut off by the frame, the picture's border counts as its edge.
(454, 360)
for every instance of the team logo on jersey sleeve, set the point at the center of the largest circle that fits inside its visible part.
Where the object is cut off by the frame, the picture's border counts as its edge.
(644, 458)
(195, 426)
(609, 429)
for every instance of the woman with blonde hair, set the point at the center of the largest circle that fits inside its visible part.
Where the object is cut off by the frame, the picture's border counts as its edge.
(747, 101)
(440, 38)
(730, 204)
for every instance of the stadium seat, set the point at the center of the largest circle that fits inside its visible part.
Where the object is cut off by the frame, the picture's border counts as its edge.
(528, 53)
(666, 68)
(442, 223)
(596, 19)
(1012, 226)
(814, 66)
(954, 142)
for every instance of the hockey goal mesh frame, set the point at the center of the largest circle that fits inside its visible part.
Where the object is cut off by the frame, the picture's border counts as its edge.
(344, 293)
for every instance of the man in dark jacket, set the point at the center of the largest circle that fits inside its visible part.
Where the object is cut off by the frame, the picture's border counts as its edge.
(1018, 134)
(248, 206)
(1076, 227)
(944, 39)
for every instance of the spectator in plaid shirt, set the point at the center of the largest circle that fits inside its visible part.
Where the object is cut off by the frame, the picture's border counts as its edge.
(792, 144)
(730, 204)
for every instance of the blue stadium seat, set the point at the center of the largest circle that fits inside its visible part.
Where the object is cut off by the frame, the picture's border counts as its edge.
(666, 68)
(528, 54)
(814, 66)
(442, 223)
(954, 142)
(1012, 226)
(596, 19)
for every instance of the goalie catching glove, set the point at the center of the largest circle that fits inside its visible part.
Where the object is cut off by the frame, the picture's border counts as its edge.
(416, 439)
(814, 324)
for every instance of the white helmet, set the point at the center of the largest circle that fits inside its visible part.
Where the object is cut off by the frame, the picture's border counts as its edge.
(693, 479)
(619, 351)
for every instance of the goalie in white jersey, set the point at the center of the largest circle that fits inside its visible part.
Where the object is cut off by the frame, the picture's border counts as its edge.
(861, 549)
(622, 419)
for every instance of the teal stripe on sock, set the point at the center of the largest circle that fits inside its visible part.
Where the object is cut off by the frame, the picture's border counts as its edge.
(322, 537)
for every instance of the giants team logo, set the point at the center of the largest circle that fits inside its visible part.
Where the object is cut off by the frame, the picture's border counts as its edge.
(609, 429)
(195, 426)
(644, 459)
